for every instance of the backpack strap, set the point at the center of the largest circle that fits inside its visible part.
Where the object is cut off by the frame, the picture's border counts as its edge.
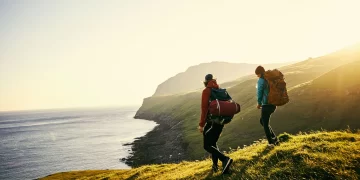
(208, 115)
(267, 83)
(228, 95)
(212, 95)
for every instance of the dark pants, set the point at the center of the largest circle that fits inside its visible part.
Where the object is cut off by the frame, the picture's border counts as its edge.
(266, 112)
(211, 134)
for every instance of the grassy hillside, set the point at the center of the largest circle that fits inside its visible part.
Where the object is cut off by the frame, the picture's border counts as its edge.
(304, 112)
(329, 102)
(191, 79)
(320, 155)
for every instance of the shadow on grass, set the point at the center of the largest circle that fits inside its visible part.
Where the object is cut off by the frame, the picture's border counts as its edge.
(238, 173)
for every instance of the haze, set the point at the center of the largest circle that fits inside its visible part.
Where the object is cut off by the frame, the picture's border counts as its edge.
(62, 54)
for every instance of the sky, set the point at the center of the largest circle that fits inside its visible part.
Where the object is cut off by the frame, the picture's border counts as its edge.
(86, 53)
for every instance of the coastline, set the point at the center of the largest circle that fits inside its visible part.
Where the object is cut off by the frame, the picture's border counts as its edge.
(163, 144)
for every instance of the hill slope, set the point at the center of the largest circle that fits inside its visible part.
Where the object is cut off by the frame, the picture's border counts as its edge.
(321, 155)
(178, 115)
(191, 79)
(328, 102)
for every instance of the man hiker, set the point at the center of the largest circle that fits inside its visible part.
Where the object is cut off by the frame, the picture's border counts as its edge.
(211, 131)
(266, 108)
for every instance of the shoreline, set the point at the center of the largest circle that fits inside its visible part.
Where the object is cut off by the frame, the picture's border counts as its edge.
(163, 144)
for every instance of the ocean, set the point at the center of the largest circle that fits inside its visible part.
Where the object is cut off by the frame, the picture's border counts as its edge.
(35, 144)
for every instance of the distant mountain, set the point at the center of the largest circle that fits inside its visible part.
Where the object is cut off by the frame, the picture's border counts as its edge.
(191, 79)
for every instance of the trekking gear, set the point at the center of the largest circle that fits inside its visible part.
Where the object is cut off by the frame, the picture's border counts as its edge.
(266, 112)
(226, 165)
(224, 108)
(278, 95)
(211, 135)
(220, 119)
(221, 106)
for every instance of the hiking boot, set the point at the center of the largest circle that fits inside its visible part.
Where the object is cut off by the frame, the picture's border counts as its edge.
(215, 168)
(226, 165)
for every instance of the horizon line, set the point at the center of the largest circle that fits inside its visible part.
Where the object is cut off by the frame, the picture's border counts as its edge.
(71, 108)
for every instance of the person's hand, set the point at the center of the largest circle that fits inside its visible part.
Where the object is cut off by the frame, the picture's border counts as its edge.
(258, 106)
(201, 129)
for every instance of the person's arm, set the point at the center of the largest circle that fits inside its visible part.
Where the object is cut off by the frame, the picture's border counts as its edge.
(260, 91)
(204, 106)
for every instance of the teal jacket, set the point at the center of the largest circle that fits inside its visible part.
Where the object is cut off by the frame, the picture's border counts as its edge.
(262, 91)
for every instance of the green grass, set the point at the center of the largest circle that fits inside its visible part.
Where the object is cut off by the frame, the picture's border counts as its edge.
(316, 155)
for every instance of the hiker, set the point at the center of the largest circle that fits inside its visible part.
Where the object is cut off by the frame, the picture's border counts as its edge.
(211, 131)
(266, 108)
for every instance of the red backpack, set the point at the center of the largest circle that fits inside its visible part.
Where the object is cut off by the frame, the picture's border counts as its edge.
(222, 108)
